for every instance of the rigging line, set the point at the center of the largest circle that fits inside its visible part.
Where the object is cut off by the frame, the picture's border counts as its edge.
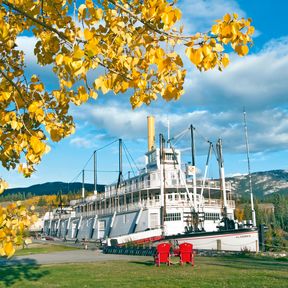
(179, 134)
(125, 151)
(108, 171)
(203, 137)
(76, 177)
(131, 157)
(98, 150)
(107, 145)
(88, 161)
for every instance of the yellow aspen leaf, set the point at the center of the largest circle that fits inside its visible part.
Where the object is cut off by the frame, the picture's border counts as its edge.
(242, 50)
(9, 249)
(88, 34)
(226, 31)
(82, 11)
(37, 146)
(195, 55)
(38, 87)
(55, 135)
(76, 65)
(93, 94)
(99, 14)
(98, 83)
(3, 186)
(178, 14)
(215, 29)
(227, 18)
(2, 235)
(178, 61)
(34, 78)
(251, 30)
(225, 60)
(59, 59)
(206, 50)
(83, 96)
(78, 52)
(89, 3)
(218, 48)
(4, 95)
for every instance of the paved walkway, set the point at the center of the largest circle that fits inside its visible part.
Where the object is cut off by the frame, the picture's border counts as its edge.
(73, 256)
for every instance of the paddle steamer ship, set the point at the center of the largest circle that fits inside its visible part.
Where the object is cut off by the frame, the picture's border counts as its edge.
(164, 202)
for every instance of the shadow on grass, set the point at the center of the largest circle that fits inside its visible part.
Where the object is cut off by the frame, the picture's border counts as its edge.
(12, 271)
(147, 263)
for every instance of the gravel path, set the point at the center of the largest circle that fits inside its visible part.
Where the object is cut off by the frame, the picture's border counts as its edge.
(73, 256)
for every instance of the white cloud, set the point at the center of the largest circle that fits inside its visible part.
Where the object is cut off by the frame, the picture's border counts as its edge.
(199, 15)
(257, 81)
(81, 142)
(268, 129)
(89, 141)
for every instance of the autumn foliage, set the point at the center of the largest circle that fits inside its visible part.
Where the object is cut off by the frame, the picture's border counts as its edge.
(125, 44)
(14, 221)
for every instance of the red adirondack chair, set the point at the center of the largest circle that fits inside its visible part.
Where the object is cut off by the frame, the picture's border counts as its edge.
(162, 254)
(186, 253)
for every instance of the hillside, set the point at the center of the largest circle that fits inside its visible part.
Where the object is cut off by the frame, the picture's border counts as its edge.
(263, 183)
(53, 188)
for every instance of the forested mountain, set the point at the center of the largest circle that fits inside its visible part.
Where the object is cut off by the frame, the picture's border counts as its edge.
(50, 188)
(264, 184)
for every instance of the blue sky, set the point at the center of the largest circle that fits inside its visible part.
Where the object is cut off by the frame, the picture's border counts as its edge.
(213, 103)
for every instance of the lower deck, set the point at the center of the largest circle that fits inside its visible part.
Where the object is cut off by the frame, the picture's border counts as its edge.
(91, 226)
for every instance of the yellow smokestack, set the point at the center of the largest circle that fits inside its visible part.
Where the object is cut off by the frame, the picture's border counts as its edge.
(151, 132)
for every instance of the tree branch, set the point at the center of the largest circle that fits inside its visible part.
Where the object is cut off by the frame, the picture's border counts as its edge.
(13, 84)
(41, 23)
(147, 23)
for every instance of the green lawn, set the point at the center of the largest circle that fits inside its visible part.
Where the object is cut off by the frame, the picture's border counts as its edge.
(42, 249)
(208, 272)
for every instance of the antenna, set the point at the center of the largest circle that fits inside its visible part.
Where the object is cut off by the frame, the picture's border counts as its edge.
(168, 129)
(249, 170)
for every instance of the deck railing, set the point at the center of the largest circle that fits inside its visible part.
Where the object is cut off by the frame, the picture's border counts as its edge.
(152, 203)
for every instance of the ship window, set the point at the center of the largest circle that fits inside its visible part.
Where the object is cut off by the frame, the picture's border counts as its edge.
(176, 196)
(154, 220)
(169, 156)
(170, 197)
(182, 196)
(172, 217)
(212, 216)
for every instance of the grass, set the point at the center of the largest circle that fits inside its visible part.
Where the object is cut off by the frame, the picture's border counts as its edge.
(42, 248)
(208, 272)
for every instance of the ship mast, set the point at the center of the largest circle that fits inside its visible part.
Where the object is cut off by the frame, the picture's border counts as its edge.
(95, 171)
(249, 170)
(193, 167)
(222, 175)
(83, 184)
(206, 170)
(120, 176)
(162, 180)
